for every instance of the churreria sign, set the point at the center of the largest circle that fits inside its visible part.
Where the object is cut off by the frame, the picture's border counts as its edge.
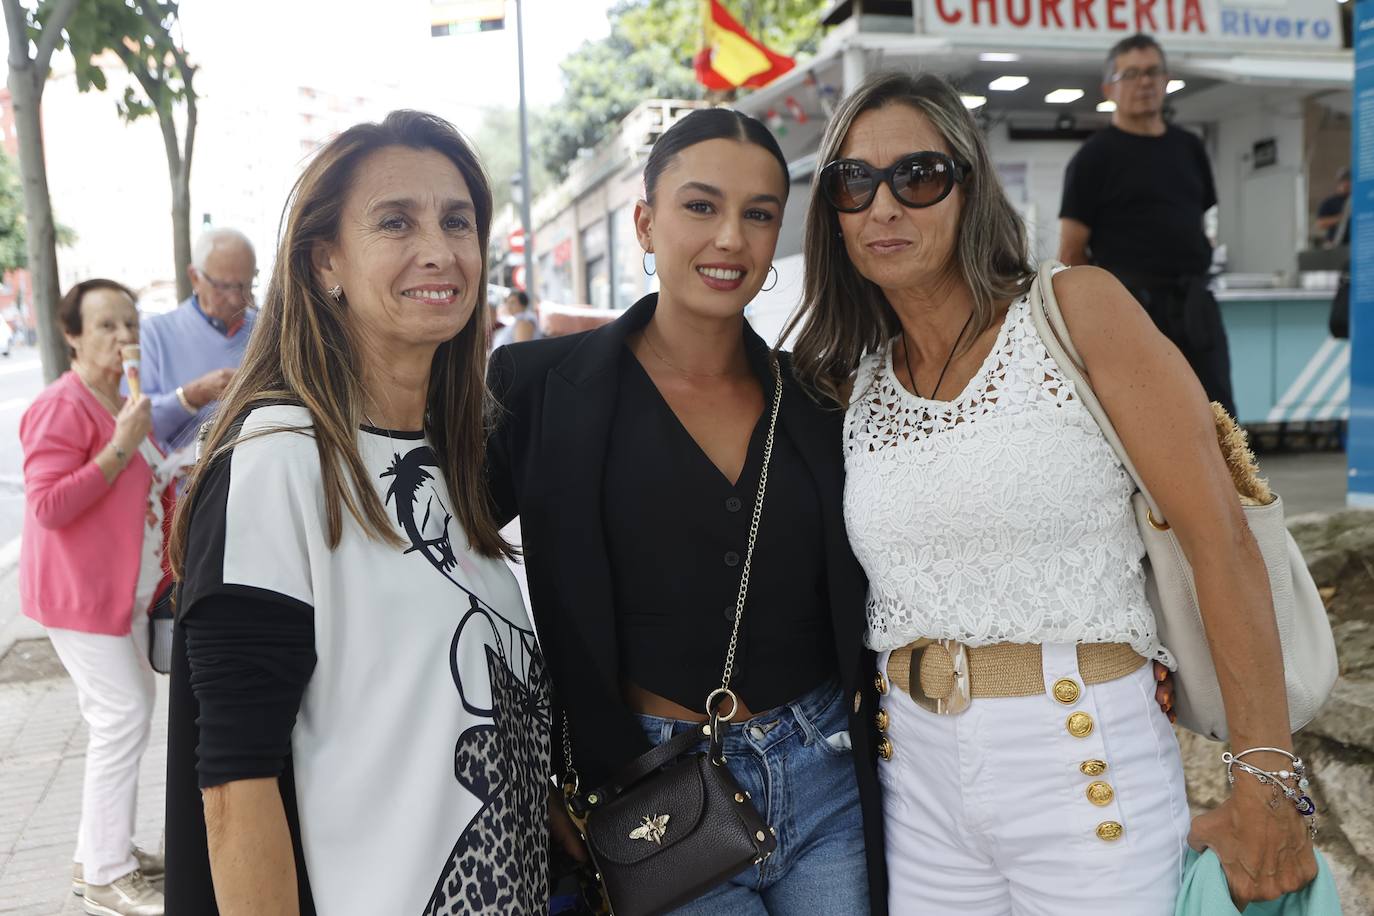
(1264, 24)
(1223, 25)
(1124, 15)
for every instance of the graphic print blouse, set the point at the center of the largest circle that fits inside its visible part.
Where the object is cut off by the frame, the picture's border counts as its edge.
(421, 745)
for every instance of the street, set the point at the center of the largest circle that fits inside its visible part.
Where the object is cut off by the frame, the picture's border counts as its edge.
(21, 378)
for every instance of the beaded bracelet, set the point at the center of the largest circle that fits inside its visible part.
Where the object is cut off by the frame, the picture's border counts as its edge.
(1279, 780)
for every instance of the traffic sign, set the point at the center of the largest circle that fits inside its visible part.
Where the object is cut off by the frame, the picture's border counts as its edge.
(457, 17)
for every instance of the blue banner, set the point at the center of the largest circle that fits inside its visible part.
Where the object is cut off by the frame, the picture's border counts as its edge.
(1361, 442)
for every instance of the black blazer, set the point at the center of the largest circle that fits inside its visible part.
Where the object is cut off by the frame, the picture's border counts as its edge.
(546, 458)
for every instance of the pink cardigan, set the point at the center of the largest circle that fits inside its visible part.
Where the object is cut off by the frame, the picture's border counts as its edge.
(83, 537)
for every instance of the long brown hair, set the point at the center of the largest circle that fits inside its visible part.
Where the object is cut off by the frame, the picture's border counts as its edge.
(302, 351)
(843, 314)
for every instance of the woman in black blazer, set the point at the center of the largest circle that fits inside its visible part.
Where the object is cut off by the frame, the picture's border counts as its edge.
(632, 455)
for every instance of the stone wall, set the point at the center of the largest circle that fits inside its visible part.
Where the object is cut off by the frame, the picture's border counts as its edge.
(1339, 743)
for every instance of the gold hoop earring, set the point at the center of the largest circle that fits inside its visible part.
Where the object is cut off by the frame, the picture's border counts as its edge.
(774, 271)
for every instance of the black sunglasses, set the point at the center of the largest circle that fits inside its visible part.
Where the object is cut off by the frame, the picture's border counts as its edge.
(917, 180)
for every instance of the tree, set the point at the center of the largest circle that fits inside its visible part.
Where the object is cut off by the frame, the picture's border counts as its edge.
(648, 54)
(14, 253)
(139, 32)
(13, 239)
(33, 37)
(498, 142)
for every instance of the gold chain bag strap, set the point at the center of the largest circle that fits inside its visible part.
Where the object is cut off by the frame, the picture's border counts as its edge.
(674, 823)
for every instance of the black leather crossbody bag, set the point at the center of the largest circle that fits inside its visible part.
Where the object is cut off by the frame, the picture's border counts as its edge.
(674, 823)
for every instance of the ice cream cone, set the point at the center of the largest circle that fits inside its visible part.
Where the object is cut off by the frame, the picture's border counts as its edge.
(132, 357)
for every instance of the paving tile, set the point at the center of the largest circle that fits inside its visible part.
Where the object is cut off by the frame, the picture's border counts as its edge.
(42, 762)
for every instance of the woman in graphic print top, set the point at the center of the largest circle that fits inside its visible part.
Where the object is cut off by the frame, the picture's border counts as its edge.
(357, 693)
(987, 508)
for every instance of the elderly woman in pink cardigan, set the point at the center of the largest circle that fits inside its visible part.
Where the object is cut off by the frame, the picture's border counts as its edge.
(90, 566)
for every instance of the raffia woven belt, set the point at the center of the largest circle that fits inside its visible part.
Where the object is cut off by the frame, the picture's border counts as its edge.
(945, 675)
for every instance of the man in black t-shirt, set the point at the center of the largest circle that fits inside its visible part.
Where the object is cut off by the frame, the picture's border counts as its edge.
(1134, 197)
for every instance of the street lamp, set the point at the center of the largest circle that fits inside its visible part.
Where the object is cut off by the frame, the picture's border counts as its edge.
(524, 152)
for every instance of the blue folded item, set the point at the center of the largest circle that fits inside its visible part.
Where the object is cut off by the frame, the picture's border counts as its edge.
(1205, 892)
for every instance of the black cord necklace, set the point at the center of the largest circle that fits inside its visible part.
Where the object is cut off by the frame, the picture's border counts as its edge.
(906, 355)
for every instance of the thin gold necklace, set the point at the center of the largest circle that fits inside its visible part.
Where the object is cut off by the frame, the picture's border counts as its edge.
(105, 402)
(676, 368)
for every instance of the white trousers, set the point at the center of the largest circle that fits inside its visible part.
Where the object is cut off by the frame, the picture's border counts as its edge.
(116, 692)
(988, 812)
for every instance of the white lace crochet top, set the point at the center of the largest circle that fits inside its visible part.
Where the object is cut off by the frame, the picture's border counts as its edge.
(1000, 516)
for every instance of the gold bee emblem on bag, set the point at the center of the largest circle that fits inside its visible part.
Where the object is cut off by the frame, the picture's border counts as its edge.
(653, 829)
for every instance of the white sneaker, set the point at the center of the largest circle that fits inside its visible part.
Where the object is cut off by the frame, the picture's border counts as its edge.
(151, 864)
(130, 895)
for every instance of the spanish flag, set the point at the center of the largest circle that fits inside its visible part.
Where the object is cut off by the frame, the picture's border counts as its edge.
(732, 58)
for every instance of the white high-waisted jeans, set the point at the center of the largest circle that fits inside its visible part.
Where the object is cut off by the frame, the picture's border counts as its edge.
(987, 812)
(116, 692)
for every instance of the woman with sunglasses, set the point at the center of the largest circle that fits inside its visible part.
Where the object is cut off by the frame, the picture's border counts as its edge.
(1025, 767)
(633, 455)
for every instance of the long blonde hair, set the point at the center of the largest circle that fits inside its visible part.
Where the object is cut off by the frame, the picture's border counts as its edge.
(844, 315)
(302, 351)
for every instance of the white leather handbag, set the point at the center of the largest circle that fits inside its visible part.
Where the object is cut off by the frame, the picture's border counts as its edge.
(1309, 650)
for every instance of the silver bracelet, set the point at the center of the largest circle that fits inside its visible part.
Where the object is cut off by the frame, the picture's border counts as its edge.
(1299, 771)
(1279, 779)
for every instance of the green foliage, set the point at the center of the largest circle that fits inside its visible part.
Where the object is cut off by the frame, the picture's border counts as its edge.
(139, 33)
(649, 55)
(13, 245)
(14, 252)
(498, 143)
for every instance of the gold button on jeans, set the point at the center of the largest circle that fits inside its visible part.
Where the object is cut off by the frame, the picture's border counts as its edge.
(1067, 691)
(880, 682)
(882, 720)
(1099, 793)
(885, 749)
(1109, 831)
(1093, 767)
(1080, 725)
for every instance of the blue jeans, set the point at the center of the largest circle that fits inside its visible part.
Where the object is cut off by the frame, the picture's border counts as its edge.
(796, 763)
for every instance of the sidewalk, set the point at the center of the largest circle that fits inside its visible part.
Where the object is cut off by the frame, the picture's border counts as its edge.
(42, 755)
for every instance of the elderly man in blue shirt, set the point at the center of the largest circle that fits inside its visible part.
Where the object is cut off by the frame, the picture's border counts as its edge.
(190, 354)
